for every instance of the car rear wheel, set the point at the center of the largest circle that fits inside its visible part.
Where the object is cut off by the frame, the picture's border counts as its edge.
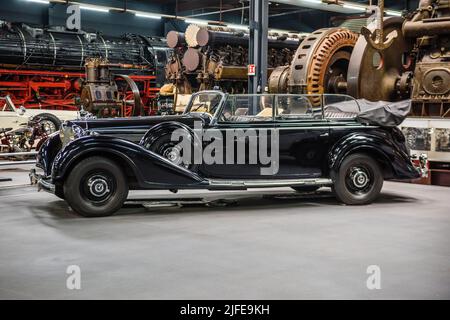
(359, 180)
(96, 187)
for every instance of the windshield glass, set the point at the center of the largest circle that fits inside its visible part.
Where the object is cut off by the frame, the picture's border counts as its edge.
(207, 102)
(247, 108)
(287, 107)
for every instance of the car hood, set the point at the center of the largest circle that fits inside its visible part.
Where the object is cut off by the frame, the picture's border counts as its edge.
(107, 125)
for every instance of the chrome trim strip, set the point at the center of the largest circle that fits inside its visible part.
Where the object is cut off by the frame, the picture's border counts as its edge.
(54, 48)
(82, 51)
(22, 36)
(106, 48)
(261, 183)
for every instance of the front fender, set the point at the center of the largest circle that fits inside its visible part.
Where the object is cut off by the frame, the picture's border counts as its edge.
(379, 144)
(150, 169)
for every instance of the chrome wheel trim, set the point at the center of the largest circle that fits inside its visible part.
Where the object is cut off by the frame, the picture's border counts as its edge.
(173, 153)
(359, 179)
(48, 126)
(97, 188)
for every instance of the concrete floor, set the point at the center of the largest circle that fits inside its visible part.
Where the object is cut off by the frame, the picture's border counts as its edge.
(264, 247)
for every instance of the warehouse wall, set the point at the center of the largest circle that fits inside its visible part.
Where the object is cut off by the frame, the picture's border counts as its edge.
(112, 23)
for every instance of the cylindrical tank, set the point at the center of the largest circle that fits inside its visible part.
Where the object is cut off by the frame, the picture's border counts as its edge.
(21, 45)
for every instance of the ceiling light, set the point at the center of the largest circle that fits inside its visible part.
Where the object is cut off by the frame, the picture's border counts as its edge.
(394, 13)
(237, 26)
(149, 16)
(313, 1)
(196, 21)
(353, 7)
(92, 8)
(40, 1)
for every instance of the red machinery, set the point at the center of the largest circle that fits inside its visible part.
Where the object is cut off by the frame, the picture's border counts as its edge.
(57, 90)
(44, 67)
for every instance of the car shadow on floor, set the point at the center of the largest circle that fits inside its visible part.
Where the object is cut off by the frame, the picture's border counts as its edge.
(251, 201)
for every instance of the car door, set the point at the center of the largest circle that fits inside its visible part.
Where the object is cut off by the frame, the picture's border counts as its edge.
(244, 128)
(304, 137)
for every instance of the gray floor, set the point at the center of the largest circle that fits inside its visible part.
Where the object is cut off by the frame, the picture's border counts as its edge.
(263, 247)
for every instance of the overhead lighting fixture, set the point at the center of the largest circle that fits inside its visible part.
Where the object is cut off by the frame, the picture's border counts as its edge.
(394, 13)
(353, 7)
(40, 1)
(148, 16)
(313, 1)
(237, 26)
(197, 21)
(278, 31)
(92, 8)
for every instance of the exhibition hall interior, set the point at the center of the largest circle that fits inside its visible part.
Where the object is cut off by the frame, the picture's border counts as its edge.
(225, 150)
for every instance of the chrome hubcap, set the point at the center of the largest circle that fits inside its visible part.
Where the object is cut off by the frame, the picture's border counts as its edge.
(48, 126)
(98, 186)
(360, 178)
(173, 155)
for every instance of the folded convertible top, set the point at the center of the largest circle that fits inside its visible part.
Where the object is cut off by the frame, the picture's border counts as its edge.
(381, 113)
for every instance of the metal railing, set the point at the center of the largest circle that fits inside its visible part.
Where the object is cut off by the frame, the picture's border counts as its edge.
(17, 154)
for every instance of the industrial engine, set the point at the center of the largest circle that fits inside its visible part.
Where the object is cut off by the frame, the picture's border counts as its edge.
(44, 67)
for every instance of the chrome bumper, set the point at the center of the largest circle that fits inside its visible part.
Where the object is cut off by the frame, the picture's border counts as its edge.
(421, 164)
(42, 182)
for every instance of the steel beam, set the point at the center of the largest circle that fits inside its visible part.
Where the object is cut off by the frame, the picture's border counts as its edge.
(259, 21)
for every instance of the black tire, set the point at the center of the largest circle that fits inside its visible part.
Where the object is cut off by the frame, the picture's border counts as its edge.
(96, 187)
(359, 180)
(49, 121)
(306, 188)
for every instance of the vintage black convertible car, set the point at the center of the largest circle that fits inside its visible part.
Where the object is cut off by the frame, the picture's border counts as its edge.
(304, 142)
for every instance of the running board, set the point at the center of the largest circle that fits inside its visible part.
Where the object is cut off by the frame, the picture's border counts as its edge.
(218, 183)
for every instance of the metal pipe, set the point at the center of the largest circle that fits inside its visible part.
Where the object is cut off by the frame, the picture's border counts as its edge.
(206, 37)
(175, 39)
(426, 28)
(14, 154)
(12, 163)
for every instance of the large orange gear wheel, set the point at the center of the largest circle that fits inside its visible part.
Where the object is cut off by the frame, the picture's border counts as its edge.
(321, 62)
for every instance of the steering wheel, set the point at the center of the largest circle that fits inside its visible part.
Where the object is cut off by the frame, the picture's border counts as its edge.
(198, 107)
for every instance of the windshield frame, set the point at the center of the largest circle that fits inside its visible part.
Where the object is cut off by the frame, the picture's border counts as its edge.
(214, 116)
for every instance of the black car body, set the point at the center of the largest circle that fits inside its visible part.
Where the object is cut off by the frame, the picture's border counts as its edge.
(93, 163)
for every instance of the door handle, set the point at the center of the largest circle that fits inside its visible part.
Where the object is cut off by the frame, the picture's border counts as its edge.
(324, 135)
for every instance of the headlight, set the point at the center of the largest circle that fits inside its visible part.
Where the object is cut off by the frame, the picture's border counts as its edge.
(70, 132)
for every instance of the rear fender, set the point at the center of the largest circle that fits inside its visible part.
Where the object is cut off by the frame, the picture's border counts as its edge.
(377, 144)
(149, 169)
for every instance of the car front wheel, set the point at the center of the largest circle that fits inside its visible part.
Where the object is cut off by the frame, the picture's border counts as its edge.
(96, 187)
(358, 181)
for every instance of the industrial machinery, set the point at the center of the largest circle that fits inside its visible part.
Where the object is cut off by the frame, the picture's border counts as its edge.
(407, 57)
(394, 58)
(214, 56)
(43, 67)
(102, 96)
(319, 65)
